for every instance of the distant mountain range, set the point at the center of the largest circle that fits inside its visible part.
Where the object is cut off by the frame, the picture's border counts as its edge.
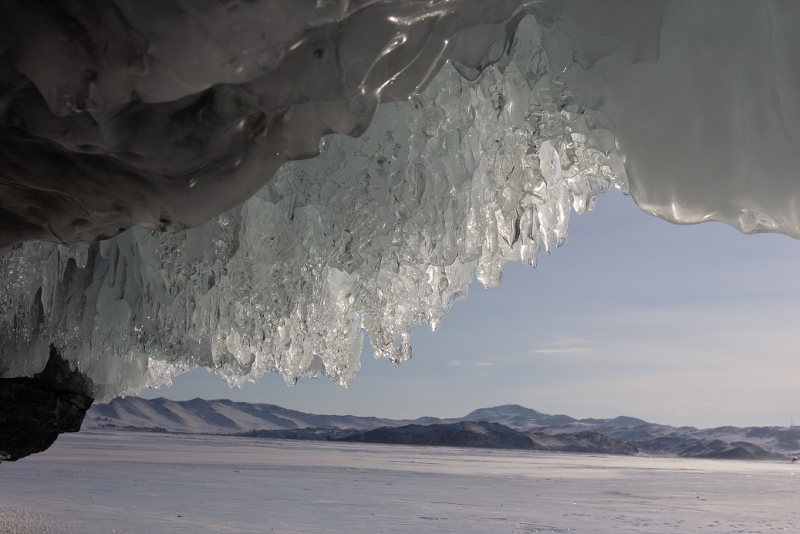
(505, 427)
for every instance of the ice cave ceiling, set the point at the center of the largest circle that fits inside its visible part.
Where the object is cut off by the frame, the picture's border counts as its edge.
(260, 240)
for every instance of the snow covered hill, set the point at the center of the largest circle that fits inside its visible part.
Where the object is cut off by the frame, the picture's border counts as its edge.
(521, 418)
(228, 417)
(199, 416)
(623, 435)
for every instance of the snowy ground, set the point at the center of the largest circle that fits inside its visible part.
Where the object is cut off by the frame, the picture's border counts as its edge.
(132, 482)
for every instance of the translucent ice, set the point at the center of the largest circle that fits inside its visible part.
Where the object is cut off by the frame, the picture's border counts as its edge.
(166, 113)
(499, 118)
(711, 130)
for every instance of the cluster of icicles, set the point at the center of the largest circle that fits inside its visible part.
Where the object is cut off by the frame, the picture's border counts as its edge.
(480, 165)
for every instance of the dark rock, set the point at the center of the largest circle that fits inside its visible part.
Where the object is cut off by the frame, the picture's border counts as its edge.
(35, 410)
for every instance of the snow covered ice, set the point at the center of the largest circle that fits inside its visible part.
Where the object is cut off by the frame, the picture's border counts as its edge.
(141, 482)
(185, 120)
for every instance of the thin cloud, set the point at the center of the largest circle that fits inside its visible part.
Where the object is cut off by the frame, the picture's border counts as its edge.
(483, 363)
(565, 350)
(566, 345)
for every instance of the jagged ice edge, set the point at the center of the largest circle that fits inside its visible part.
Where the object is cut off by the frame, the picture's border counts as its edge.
(374, 236)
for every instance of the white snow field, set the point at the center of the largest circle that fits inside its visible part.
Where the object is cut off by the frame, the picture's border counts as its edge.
(137, 482)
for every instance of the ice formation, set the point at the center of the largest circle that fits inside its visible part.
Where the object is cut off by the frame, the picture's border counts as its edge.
(498, 118)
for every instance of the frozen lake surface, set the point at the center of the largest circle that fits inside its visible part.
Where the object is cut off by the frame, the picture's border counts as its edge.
(135, 482)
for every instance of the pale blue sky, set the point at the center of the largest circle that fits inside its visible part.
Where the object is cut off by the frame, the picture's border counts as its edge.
(681, 325)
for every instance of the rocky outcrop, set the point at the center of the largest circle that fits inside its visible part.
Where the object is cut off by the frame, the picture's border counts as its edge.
(35, 410)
